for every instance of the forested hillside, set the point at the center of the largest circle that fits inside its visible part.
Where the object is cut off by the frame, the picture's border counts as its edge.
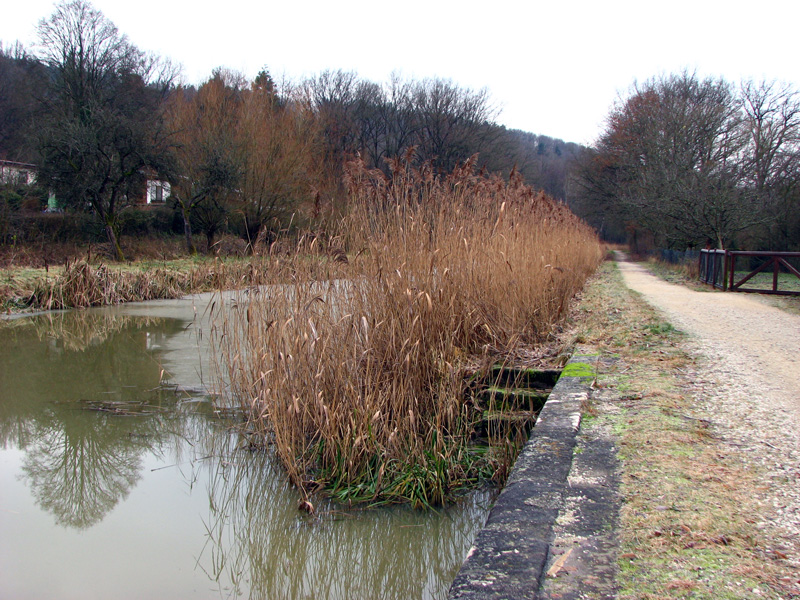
(682, 161)
(96, 115)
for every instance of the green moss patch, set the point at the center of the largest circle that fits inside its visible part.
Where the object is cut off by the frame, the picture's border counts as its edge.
(579, 369)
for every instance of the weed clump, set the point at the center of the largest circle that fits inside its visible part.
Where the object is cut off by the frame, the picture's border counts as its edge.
(80, 284)
(358, 381)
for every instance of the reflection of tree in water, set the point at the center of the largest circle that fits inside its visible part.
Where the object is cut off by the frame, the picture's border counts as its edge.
(258, 540)
(72, 357)
(77, 329)
(79, 470)
(80, 463)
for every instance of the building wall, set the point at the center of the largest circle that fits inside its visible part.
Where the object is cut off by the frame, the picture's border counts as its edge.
(157, 192)
(17, 173)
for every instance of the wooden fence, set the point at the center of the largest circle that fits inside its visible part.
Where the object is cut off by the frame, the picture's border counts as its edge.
(719, 268)
(713, 270)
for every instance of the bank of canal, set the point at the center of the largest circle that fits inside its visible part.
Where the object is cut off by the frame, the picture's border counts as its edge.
(552, 531)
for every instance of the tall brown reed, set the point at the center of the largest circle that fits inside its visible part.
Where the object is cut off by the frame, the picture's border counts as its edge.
(359, 381)
(81, 285)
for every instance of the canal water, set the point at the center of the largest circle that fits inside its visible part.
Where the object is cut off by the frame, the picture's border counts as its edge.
(119, 479)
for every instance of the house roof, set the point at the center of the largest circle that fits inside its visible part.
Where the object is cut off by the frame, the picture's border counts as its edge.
(17, 165)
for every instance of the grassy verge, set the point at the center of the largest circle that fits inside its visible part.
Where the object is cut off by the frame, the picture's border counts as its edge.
(787, 282)
(81, 283)
(790, 304)
(688, 522)
(683, 274)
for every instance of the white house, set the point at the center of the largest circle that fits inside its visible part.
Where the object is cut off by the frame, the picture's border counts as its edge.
(156, 191)
(17, 173)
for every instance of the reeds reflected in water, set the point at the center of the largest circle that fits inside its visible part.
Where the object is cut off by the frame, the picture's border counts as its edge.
(260, 546)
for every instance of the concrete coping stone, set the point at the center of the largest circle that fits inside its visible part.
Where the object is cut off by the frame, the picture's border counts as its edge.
(508, 557)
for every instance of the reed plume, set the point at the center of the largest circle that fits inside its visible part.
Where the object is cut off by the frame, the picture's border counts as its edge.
(358, 381)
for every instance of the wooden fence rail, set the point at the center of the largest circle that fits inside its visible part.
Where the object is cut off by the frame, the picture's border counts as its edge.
(713, 270)
(718, 268)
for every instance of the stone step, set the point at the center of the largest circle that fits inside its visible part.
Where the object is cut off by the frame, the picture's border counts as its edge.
(506, 424)
(514, 399)
(502, 376)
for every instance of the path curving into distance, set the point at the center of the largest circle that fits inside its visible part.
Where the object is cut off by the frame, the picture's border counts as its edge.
(749, 382)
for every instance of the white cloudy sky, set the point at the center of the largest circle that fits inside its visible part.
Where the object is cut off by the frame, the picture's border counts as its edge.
(553, 68)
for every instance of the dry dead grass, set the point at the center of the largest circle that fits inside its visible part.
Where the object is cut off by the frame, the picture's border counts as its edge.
(688, 522)
(84, 283)
(359, 383)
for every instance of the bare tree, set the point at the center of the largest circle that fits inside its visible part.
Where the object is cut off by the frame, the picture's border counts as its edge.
(451, 122)
(772, 159)
(207, 169)
(277, 145)
(87, 52)
(772, 123)
(333, 96)
(446, 123)
(23, 79)
(104, 127)
(670, 158)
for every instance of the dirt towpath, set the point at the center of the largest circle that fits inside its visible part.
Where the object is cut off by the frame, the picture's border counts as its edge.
(748, 383)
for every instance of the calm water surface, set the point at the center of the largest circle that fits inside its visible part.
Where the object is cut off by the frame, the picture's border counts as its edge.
(119, 480)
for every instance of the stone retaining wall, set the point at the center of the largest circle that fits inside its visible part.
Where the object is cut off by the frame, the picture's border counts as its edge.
(511, 552)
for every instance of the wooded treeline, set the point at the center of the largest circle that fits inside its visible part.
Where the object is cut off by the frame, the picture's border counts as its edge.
(690, 162)
(682, 162)
(97, 115)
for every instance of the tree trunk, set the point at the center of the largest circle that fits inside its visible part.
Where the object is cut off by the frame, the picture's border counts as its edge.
(210, 232)
(187, 232)
(112, 238)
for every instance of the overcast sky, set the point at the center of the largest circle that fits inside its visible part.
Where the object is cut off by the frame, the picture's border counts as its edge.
(552, 68)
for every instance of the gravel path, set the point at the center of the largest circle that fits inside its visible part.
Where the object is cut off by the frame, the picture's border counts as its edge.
(748, 384)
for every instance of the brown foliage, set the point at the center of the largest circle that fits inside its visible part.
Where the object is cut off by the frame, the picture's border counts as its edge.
(360, 381)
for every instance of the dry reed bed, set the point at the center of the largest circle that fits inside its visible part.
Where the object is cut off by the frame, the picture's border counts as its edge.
(81, 285)
(359, 384)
